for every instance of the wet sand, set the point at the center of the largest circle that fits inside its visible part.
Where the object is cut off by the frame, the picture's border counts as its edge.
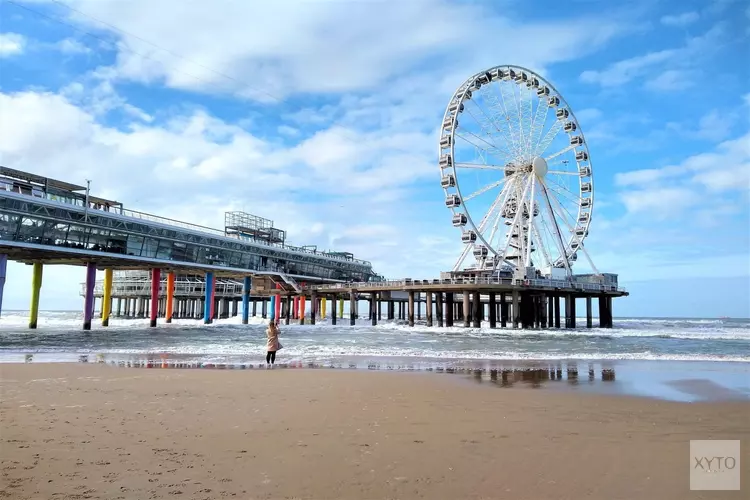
(97, 431)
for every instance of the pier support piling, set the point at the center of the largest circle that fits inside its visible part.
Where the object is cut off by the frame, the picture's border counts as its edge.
(589, 319)
(107, 297)
(557, 311)
(323, 304)
(3, 271)
(448, 309)
(476, 311)
(516, 310)
(208, 299)
(439, 308)
(493, 310)
(503, 311)
(88, 303)
(247, 284)
(352, 307)
(169, 306)
(466, 303)
(428, 307)
(301, 311)
(333, 310)
(36, 286)
(313, 307)
(373, 308)
(411, 308)
(155, 282)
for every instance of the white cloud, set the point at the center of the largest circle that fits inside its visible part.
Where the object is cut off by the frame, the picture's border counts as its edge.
(672, 79)
(680, 20)
(72, 46)
(667, 69)
(659, 202)
(11, 44)
(286, 47)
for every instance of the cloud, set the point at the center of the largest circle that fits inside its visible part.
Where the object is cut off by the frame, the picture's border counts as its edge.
(71, 46)
(317, 47)
(680, 20)
(672, 67)
(11, 44)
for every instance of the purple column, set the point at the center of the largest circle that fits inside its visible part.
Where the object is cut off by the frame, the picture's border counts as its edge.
(88, 307)
(3, 268)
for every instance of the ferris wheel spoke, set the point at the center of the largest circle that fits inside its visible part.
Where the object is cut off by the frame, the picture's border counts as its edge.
(487, 131)
(486, 122)
(528, 116)
(556, 227)
(516, 220)
(568, 191)
(561, 152)
(542, 146)
(484, 189)
(491, 152)
(539, 123)
(480, 166)
(541, 244)
(509, 120)
(531, 218)
(562, 172)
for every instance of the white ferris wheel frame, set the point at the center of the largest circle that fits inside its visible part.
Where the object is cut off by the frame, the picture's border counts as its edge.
(569, 239)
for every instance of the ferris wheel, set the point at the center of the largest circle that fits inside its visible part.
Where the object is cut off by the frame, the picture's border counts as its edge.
(516, 172)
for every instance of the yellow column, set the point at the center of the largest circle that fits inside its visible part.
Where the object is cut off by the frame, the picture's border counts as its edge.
(107, 297)
(36, 285)
(170, 297)
(323, 308)
(341, 308)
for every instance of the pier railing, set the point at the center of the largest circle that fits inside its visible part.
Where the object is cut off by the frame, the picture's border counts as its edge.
(483, 280)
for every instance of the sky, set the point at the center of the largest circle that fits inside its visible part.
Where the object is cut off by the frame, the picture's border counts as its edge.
(324, 116)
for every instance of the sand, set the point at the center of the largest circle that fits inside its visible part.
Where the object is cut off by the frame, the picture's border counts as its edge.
(97, 431)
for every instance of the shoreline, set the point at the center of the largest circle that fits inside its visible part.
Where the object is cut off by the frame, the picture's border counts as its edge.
(103, 432)
(680, 381)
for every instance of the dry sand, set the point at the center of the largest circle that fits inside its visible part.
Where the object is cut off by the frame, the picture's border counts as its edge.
(95, 431)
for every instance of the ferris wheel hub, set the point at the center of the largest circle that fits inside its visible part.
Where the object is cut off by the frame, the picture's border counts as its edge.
(539, 166)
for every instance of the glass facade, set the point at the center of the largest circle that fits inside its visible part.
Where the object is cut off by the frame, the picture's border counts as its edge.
(42, 221)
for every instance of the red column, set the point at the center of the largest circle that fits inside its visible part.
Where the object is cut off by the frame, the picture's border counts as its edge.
(155, 280)
(277, 308)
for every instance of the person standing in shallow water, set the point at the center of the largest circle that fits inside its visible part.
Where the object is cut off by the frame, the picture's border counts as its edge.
(272, 343)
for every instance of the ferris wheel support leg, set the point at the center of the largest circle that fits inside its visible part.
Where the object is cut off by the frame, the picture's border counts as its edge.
(466, 311)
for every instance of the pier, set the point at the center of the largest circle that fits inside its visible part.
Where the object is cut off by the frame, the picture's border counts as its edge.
(160, 268)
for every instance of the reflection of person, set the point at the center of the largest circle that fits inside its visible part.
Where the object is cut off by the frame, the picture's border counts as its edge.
(272, 343)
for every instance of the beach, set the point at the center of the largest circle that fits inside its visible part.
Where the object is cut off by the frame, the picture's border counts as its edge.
(100, 431)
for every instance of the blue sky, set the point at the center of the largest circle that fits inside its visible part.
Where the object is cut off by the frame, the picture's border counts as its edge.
(324, 116)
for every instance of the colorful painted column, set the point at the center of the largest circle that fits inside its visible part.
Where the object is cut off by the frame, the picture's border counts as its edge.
(155, 282)
(277, 307)
(3, 269)
(272, 303)
(301, 311)
(208, 303)
(170, 298)
(323, 308)
(341, 308)
(107, 297)
(247, 284)
(36, 286)
(295, 311)
(88, 301)
(213, 298)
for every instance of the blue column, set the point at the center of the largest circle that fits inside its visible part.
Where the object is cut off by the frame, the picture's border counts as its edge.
(247, 284)
(207, 319)
(272, 313)
(3, 268)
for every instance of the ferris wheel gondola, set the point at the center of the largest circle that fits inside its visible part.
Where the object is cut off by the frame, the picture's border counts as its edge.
(516, 172)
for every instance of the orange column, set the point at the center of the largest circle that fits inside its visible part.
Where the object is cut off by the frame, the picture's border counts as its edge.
(170, 296)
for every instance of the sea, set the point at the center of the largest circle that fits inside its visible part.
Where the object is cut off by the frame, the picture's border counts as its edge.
(646, 356)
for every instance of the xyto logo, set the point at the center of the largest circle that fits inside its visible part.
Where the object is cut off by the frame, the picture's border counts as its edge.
(715, 465)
